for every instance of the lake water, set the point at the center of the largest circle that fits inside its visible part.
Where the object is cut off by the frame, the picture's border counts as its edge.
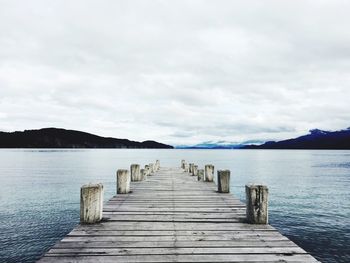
(309, 192)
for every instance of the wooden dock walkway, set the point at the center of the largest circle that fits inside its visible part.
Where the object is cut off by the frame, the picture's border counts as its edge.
(172, 217)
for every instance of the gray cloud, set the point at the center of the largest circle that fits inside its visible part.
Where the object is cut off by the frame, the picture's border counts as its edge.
(179, 72)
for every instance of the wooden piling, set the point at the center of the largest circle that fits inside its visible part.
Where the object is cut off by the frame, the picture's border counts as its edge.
(183, 162)
(91, 203)
(135, 172)
(151, 168)
(187, 168)
(143, 173)
(147, 169)
(191, 168)
(200, 175)
(223, 181)
(123, 181)
(257, 204)
(195, 170)
(209, 172)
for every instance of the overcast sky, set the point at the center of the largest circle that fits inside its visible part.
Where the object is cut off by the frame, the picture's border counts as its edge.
(180, 72)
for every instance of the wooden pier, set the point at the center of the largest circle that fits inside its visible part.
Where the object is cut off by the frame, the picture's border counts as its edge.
(173, 217)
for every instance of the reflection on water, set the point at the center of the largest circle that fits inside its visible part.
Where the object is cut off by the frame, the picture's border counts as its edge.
(39, 197)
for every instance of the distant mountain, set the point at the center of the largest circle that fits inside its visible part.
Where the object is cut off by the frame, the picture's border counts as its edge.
(218, 145)
(61, 138)
(317, 139)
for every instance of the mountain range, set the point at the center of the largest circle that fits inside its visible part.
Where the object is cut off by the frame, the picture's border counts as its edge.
(316, 139)
(61, 138)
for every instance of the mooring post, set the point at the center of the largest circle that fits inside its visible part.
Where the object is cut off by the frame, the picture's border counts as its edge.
(257, 204)
(191, 168)
(200, 174)
(183, 162)
(187, 168)
(135, 172)
(91, 203)
(223, 181)
(143, 174)
(157, 165)
(195, 170)
(151, 168)
(209, 172)
(123, 181)
(147, 169)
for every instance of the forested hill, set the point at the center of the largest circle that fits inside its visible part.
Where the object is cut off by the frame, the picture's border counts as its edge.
(61, 138)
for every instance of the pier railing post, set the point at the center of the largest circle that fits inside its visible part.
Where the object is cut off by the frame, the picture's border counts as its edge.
(143, 174)
(157, 165)
(151, 168)
(200, 175)
(123, 181)
(209, 172)
(187, 168)
(257, 204)
(135, 172)
(147, 169)
(194, 170)
(91, 203)
(191, 168)
(223, 181)
(183, 162)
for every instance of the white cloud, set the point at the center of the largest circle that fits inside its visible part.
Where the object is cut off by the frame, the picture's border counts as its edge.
(175, 71)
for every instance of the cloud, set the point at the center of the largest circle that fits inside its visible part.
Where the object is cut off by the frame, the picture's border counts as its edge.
(180, 72)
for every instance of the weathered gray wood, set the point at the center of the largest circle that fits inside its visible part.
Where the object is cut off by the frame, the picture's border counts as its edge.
(170, 244)
(187, 168)
(143, 174)
(191, 168)
(257, 204)
(177, 250)
(195, 170)
(181, 258)
(123, 181)
(91, 203)
(223, 181)
(183, 162)
(147, 169)
(135, 172)
(209, 172)
(173, 217)
(200, 175)
(151, 168)
(157, 164)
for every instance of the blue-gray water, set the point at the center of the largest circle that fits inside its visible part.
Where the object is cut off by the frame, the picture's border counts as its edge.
(309, 192)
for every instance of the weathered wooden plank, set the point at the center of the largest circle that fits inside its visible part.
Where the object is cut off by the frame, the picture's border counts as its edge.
(173, 226)
(176, 250)
(145, 237)
(170, 244)
(181, 258)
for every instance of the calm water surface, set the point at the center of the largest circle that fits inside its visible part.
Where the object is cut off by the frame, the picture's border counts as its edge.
(309, 192)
